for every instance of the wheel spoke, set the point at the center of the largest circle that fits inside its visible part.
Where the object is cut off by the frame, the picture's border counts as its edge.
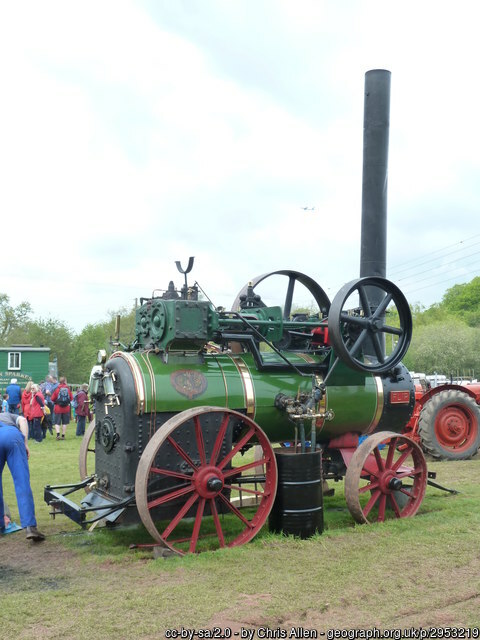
(288, 298)
(200, 443)
(236, 470)
(184, 510)
(382, 307)
(216, 520)
(219, 440)
(196, 526)
(368, 487)
(364, 301)
(170, 472)
(394, 504)
(377, 345)
(237, 487)
(374, 497)
(358, 342)
(401, 459)
(243, 441)
(379, 459)
(182, 453)
(409, 474)
(358, 321)
(234, 510)
(381, 507)
(170, 496)
(407, 493)
(389, 329)
(391, 452)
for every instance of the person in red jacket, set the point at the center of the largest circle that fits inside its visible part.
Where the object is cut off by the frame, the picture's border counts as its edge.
(37, 404)
(61, 398)
(25, 402)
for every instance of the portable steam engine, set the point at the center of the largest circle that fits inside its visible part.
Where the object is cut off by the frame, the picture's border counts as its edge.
(187, 415)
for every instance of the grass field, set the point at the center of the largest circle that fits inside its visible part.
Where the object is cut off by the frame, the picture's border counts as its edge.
(417, 572)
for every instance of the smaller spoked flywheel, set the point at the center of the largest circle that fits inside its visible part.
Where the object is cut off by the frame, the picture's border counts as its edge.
(370, 324)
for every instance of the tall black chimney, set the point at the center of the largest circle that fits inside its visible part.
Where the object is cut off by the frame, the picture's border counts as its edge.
(376, 126)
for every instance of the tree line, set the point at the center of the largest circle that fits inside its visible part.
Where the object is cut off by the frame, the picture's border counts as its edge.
(75, 353)
(446, 336)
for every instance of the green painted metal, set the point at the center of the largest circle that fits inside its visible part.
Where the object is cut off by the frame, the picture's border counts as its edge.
(229, 380)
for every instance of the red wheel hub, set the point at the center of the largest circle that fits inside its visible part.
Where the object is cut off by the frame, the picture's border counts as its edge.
(453, 427)
(208, 481)
(386, 481)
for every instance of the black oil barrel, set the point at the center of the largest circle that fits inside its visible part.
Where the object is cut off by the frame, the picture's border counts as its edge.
(298, 506)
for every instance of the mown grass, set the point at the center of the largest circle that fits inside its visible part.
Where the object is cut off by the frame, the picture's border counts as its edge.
(410, 572)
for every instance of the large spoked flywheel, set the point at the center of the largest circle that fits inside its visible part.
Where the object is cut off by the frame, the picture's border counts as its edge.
(367, 335)
(193, 472)
(293, 280)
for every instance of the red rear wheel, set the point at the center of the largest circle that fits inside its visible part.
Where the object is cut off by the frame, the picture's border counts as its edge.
(194, 475)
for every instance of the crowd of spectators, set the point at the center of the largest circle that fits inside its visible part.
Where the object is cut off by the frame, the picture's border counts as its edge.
(48, 405)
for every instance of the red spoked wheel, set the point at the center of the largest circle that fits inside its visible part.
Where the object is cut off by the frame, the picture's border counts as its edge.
(193, 475)
(386, 478)
(86, 458)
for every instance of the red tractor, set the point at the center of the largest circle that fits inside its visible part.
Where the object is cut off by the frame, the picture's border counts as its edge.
(446, 419)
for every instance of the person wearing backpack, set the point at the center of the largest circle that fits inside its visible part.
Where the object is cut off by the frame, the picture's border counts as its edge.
(82, 409)
(61, 398)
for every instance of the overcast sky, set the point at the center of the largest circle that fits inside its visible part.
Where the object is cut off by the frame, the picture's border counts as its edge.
(134, 134)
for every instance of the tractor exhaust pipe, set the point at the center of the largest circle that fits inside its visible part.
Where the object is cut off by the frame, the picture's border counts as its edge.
(376, 127)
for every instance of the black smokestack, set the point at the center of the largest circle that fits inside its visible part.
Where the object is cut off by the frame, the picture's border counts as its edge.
(376, 127)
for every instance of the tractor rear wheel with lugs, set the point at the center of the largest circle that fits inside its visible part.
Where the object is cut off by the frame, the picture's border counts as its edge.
(448, 425)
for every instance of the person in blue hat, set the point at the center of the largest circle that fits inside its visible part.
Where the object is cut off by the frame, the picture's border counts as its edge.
(14, 396)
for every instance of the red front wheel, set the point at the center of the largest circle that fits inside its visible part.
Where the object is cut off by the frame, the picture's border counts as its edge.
(196, 474)
(386, 478)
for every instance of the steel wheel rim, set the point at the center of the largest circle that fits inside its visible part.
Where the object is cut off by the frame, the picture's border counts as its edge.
(313, 287)
(85, 449)
(373, 478)
(202, 486)
(454, 427)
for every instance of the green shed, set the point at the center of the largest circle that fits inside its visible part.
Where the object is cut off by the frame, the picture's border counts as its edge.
(24, 363)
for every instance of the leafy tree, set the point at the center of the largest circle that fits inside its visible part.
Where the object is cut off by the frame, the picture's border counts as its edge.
(447, 347)
(56, 335)
(99, 336)
(12, 318)
(85, 348)
(463, 301)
